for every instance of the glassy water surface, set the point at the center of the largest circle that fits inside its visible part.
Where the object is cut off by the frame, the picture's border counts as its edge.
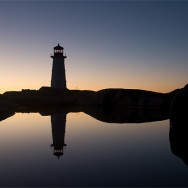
(75, 149)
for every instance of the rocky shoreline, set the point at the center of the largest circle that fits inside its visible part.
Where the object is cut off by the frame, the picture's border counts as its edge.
(46, 97)
(106, 97)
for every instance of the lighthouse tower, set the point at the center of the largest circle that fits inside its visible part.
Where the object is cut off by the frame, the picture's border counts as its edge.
(58, 79)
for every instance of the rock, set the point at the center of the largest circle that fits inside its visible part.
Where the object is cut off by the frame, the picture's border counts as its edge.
(133, 98)
(179, 103)
(179, 124)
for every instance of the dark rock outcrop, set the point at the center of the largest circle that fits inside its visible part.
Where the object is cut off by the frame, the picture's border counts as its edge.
(126, 98)
(108, 105)
(179, 124)
(52, 97)
(179, 103)
(132, 98)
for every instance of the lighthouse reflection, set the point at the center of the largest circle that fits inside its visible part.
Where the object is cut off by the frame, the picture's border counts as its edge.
(178, 134)
(115, 115)
(109, 115)
(58, 124)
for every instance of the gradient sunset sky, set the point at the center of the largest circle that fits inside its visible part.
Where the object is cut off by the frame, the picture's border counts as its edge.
(109, 44)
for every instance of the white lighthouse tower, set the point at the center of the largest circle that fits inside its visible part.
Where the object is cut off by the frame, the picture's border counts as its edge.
(58, 79)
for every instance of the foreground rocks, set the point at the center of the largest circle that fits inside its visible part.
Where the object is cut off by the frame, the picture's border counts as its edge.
(179, 125)
(132, 98)
(179, 103)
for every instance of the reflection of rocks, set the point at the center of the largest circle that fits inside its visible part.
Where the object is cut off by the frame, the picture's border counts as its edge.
(126, 115)
(179, 137)
(179, 125)
(107, 114)
(5, 114)
(7, 109)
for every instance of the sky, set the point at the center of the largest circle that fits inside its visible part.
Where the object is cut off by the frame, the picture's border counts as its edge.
(109, 44)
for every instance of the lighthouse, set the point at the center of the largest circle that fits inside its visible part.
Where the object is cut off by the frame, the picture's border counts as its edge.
(58, 79)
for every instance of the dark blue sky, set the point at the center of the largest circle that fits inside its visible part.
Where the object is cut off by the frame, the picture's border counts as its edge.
(128, 44)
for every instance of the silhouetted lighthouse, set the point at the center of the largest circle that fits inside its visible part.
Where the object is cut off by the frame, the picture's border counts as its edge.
(58, 79)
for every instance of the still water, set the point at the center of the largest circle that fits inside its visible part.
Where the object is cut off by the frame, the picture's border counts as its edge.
(95, 153)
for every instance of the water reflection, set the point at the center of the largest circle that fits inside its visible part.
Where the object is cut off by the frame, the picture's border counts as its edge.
(108, 115)
(5, 115)
(178, 135)
(178, 124)
(126, 115)
(103, 154)
(58, 123)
